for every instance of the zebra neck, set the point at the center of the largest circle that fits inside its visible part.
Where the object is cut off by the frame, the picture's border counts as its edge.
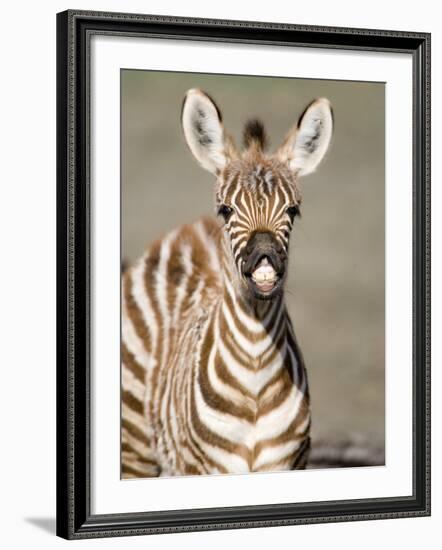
(249, 311)
(253, 335)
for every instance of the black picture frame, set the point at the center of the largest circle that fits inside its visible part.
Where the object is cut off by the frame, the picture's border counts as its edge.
(74, 31)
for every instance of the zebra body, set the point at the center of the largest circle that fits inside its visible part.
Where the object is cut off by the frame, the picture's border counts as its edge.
(208, 402)
(213, 380)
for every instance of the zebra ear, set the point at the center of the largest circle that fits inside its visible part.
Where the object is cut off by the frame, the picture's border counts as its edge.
(307, 143)
(204, 131)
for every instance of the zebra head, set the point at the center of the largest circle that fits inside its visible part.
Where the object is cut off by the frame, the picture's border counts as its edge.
(257, 194)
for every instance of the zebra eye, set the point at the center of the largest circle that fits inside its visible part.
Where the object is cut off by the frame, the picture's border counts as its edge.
(225, 211)
(293, 211)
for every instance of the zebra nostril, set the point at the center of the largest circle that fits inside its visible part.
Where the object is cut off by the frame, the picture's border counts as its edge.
(249, 248)
(279, 249)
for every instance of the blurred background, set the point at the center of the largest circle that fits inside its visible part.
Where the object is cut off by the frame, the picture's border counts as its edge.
(335, 289)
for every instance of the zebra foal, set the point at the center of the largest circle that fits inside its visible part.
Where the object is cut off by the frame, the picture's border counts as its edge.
(213, 380)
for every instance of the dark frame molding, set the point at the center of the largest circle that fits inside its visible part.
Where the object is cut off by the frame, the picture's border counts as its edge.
(74, 30)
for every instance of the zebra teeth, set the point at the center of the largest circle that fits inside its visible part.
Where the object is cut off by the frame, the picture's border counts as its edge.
(261, 277)
(264, 273)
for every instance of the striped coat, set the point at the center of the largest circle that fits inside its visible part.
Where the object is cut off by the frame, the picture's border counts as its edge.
(213, 380)
(208, 386)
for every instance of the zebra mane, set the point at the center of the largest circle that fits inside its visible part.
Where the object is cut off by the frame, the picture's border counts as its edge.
(254, 134)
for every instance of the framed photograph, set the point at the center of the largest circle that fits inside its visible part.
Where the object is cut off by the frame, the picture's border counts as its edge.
(243, 275)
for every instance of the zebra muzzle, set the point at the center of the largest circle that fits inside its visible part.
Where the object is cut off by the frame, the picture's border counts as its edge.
(264, 263)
